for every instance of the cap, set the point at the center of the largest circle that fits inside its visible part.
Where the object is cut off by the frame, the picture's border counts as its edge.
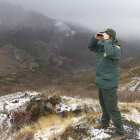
(110, 31)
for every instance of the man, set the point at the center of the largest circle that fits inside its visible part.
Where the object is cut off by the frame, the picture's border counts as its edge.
(107, 62)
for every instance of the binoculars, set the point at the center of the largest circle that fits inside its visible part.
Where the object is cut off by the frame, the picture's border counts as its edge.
(100, 35)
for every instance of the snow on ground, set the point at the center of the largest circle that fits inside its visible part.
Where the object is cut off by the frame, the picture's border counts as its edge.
(10, 104)
(134, 116)
(68, 104)
(13, 102)
(55, 130)
(138, 133)
(131, 131)
(49, 132)
(71, 104)
(62, 27)
(16, 101)
(97, 133)
(132, 86)
(135, 86)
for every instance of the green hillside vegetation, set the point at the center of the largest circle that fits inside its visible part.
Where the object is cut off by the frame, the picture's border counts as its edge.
(135, 61)
(129, 68)
(130, 63)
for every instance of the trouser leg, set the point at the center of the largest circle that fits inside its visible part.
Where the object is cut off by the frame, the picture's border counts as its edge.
(111, 103)
(105, 116)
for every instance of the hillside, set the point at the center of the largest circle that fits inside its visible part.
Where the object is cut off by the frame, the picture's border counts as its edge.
(51, 116)
(47, 74)
(37, 51)
(15, 60)
(79, 27)
(41, 36)
(16, 22)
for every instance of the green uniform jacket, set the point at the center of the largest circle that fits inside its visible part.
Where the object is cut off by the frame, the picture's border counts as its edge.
(107, 62)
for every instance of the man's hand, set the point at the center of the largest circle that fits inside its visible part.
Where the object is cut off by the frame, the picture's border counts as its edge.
(98, 37)
(105, 36)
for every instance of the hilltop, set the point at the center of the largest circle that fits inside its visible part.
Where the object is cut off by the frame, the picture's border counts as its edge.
(51, 116)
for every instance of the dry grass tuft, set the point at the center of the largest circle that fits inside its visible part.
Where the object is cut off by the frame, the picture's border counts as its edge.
(27, 133)
(53, 120)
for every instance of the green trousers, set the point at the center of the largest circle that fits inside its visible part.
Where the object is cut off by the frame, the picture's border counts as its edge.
(108, 99)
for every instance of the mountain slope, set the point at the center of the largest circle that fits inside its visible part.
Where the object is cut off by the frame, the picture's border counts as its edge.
(42, 36)
(19, 23)
(79, 27)
(128, 49)
(57, 35)
(14, 60)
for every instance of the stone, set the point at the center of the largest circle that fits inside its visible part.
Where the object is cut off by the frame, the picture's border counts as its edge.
(49, 105)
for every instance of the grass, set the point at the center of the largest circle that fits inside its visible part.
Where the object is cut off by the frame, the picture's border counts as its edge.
(125, 110)
(134, 104)
(50, 120)
(12, 78)
(55, 120)
(124, 65)
(46, 122)
(26, 134)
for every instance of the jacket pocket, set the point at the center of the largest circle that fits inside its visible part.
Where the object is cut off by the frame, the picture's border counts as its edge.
(107, 75)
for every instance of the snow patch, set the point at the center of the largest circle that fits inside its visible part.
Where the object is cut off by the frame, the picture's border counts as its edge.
(134, 88)
(54, 130)
(49, 132)
(15, 100)
(138, 133)
(9, 104)
(134, 116)
(62, 27)
(98, 134)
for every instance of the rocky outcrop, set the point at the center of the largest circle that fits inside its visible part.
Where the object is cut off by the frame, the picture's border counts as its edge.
(57, 35)
(132, 86)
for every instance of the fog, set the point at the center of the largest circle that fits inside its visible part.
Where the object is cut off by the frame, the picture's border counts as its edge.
(121, 15)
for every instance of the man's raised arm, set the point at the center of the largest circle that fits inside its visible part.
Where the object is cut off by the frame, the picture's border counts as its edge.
(93, 43)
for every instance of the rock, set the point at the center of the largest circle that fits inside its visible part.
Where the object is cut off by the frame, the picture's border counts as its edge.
(56, 96)
(15, 101)
(27, 138)
(86, 109)
(69, 138)
(49, 105)
(38, 99)
(58, 109)
(77, 111)
(91, 109)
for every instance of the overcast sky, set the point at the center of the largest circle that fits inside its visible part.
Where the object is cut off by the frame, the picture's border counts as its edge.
(121, 15)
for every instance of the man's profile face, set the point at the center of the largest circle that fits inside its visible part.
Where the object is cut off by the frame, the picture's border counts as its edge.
(106, 36)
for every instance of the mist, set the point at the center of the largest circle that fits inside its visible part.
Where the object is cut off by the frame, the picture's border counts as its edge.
(123, 16)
